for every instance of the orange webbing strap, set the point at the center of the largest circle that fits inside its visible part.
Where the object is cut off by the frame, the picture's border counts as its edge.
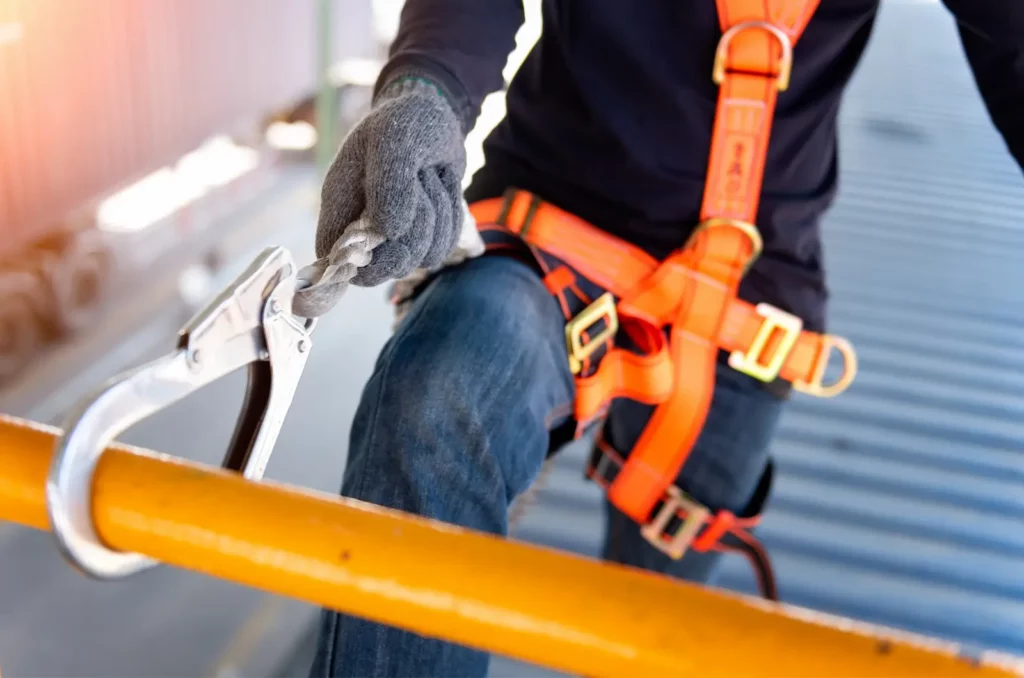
(752, 63)
(620, 266)
(692, 292)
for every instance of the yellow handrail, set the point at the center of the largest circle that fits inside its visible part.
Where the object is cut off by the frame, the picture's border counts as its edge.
(539, 605)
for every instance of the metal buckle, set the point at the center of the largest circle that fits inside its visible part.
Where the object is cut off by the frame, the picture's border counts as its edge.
(597, 471)
(508, 202)
(815, 387)
(751, 362)
(696, 515)
(249, 323)
(785, 63)
(602, 307)
(746, 228)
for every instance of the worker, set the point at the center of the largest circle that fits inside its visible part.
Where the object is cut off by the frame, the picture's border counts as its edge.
(630, 186)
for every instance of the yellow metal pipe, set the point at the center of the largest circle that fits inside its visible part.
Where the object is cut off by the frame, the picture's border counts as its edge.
(540, 605)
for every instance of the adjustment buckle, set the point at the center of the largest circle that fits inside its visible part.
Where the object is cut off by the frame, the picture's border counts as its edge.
(785, 61)
(752, 361)
(677, 544)
(602, 308)
(815, 386)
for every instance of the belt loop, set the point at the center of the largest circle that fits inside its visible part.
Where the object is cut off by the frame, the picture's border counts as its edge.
(531, 212)
(506, 205)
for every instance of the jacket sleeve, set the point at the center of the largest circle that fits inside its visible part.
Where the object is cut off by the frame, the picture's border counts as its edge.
(992, 34)
(460, 45)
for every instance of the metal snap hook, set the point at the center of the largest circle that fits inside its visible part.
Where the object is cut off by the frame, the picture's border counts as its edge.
(250, 323)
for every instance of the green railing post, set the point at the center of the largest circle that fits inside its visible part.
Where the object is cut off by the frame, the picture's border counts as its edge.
(327, 99)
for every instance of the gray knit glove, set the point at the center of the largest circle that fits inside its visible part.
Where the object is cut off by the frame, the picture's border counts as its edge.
(397, 177)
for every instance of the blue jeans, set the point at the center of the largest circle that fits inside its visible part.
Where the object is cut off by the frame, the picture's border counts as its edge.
(454, 423)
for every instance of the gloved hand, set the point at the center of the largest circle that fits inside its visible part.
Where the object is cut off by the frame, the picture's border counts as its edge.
(398, 176)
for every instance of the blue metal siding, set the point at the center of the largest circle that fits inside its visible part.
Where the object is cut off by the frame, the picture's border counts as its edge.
(902, 501)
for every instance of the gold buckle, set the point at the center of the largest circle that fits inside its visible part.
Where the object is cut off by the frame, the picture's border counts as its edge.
(815, 387)
(745, 227)
(603, 307)
(751, 362)
(785, 63)
(696, 515)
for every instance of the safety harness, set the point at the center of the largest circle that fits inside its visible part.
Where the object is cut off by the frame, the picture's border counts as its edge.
(651, 331)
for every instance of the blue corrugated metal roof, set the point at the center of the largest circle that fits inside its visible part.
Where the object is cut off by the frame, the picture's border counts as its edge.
(902, 501)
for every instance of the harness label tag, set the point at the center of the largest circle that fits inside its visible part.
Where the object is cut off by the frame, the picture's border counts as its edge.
(731, 175)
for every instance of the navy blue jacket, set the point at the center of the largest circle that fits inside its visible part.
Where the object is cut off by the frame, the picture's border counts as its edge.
(610, 115)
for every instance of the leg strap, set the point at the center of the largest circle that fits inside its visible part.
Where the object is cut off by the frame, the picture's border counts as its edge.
(681, 523)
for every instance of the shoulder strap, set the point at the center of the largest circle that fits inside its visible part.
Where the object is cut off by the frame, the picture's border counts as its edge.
(753, 63)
